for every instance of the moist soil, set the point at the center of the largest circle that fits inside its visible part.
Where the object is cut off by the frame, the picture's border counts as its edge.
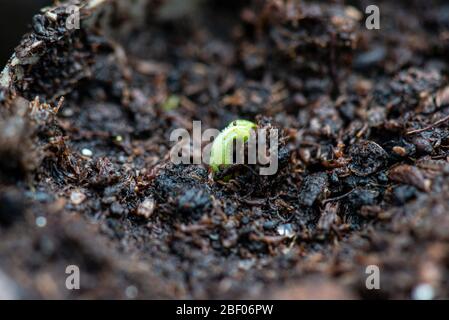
(86, 177)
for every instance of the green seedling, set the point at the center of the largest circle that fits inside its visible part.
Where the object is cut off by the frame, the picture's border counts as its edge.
(171, 103)
(222, 150)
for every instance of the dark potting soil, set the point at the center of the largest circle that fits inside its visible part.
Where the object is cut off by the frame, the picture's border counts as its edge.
(363, 173)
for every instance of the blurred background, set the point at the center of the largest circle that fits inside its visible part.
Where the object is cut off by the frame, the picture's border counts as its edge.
(15, 19)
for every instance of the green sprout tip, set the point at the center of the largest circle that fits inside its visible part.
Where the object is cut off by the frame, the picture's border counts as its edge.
(222, 148)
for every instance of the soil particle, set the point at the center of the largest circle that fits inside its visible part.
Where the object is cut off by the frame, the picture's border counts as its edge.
(146, 208)
(77, 197)
(12, 207)
(367, 158)
(312, 187)
(409, 175)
